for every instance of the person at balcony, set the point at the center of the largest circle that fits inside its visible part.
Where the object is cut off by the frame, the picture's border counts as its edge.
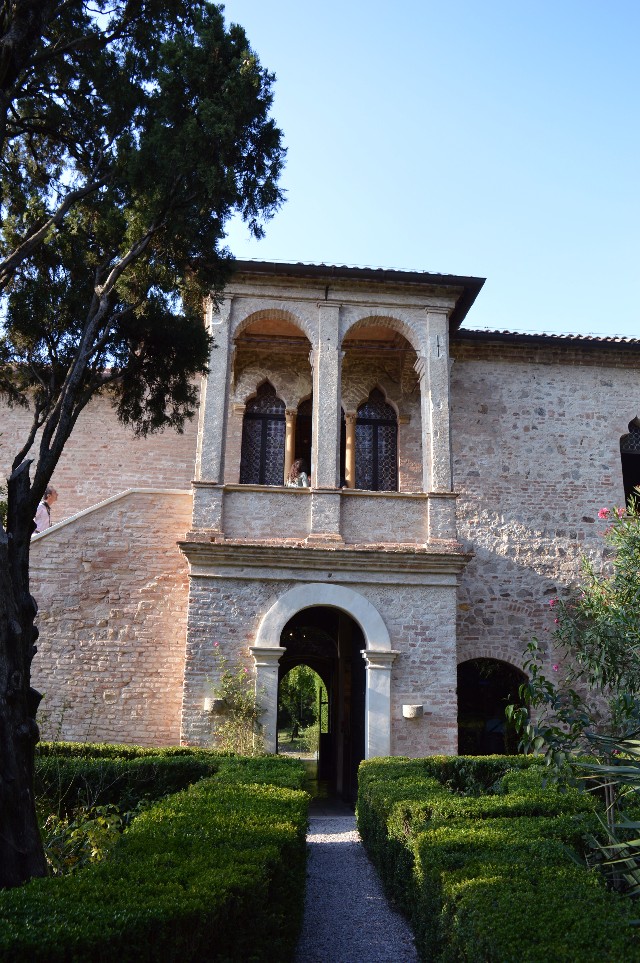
(297, 477)
(43, 512)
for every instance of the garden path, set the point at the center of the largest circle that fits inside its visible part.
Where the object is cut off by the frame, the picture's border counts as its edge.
(347, 918)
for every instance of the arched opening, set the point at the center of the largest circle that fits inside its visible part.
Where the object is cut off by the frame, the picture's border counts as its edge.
(376, 445)
(630, 458)
(485, 688)
(329, 642)
(263, 437)
(380, 367)
(270, 350)
(303, 712)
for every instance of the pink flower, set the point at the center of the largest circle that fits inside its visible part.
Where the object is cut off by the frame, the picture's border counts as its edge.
(604, 513)
(553, 602)
(216, 644)
(555, 667)
(620, 512)
(246, 670)
(556, 621)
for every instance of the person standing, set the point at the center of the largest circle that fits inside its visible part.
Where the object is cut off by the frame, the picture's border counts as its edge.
(43, 512)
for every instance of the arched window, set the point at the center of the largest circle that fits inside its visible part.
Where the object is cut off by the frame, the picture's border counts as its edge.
(263, 432)
(630, 457)
(376, 445)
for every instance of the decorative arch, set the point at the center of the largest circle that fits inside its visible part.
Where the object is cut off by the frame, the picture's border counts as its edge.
(385, 321)
(375, 632)
(376, 385)
(274, 314)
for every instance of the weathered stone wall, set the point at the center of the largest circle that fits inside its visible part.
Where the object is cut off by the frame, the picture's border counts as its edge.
(420, 619)
(112, 588)
(536, 451)
(103, 457)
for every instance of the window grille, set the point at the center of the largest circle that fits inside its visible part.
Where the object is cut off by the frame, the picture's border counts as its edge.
(630, 444)
(263, 434)
(376, 445)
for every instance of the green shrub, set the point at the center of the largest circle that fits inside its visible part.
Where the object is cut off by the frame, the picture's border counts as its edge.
(215, 872)
(490, 877)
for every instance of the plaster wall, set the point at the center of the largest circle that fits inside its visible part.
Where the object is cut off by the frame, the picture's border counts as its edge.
(536, 453)
(111, 589)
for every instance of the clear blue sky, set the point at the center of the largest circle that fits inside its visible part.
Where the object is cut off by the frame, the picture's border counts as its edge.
(496, 138)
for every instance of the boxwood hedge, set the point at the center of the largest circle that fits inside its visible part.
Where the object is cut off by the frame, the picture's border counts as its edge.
(213, 872)
(489, 875)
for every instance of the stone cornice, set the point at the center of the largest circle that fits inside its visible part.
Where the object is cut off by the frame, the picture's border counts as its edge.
(446, 558)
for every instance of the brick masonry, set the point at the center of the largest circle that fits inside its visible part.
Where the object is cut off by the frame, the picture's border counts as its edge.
(112, 594)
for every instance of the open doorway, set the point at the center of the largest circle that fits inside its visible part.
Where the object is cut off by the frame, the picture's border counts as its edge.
(303, 713)
(328, 643)
(485, 688)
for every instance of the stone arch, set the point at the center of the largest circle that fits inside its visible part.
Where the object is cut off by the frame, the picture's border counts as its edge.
(376, 383)
(274, 314)
(378, 656)
(305, 596)
(385, 321)
(253, 377)
(497, 653)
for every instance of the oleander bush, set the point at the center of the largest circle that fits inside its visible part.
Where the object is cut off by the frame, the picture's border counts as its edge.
(215, 871)
(493, 874)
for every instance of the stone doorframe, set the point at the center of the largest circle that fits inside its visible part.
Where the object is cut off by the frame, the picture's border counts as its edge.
(378, 656)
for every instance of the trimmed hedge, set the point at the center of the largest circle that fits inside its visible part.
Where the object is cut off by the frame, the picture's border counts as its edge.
(81, 774)
(490, 877)
(114, 750)
(215, 872)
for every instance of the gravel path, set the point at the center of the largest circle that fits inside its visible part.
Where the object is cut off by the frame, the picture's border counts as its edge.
(347, 918)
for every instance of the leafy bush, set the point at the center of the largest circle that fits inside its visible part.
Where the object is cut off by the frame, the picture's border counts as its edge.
(489, 876)
(215, 872)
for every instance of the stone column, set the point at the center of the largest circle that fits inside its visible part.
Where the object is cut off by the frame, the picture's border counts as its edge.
(350, 449)
(440, 407)
(289, 440)
(377, 734)
(326, 359)
(266, 661)
(213, 401)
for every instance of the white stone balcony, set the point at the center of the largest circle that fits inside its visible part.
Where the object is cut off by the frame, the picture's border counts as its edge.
(254, 513)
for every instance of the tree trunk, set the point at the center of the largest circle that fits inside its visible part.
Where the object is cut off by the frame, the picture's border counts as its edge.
(21, 851)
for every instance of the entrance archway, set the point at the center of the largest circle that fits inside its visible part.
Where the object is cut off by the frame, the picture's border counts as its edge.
(485, 688)
(375, 645)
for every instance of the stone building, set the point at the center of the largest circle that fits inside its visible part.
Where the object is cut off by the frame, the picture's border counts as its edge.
(456, 477)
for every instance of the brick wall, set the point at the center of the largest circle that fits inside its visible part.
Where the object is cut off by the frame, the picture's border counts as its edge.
(112, 588)
(536, 453)
(103, 457)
